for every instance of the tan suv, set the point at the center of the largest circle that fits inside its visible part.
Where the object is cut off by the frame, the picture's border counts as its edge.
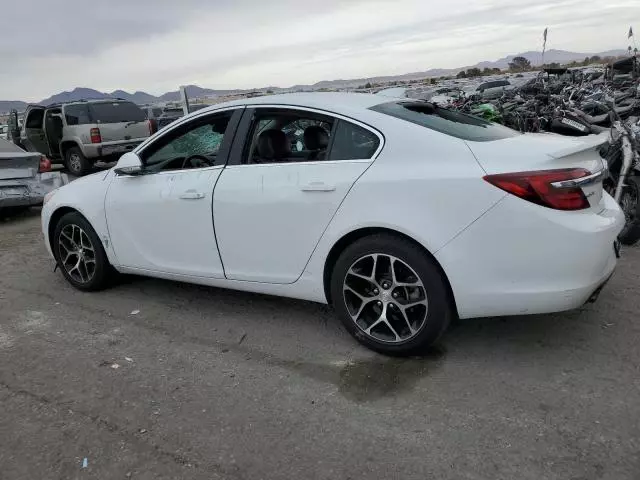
(78, 134)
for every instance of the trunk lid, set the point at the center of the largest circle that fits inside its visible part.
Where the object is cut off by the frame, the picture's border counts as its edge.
(15, 163)
(545, 151)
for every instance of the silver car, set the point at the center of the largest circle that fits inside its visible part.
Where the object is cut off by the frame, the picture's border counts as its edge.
(25, 178)
(78, 134)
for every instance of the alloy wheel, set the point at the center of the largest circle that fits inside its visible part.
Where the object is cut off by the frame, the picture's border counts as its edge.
(74, 162)
(385, 298)
(77, 253)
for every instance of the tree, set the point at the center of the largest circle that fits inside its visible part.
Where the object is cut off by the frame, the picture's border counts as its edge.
(595, 59)
(519, 64)
(474, 72)
(461, 74)
(368, 85)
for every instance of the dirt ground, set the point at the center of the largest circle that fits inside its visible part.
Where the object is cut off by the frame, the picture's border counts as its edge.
(159, 380)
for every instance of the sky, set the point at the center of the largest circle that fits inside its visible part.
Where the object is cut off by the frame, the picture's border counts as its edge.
(156, 45)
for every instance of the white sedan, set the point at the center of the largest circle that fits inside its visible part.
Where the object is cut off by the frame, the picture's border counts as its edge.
(400, 214)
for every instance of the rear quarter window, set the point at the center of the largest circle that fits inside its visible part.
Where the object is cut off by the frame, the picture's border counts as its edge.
(77, 114)
(449, 122)
(116, 112)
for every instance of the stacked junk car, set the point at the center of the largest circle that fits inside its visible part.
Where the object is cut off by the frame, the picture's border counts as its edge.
(600, 105)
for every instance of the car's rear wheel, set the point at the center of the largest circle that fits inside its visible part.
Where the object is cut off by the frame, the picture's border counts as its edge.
(79, 253)
(76, 162)
(390, 295)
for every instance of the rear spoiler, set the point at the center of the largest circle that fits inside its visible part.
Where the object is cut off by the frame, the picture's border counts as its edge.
(587, 143)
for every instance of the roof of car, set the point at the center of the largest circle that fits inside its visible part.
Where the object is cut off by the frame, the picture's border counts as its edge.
(330, 101)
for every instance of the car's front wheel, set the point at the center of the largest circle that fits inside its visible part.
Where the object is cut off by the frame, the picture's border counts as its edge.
(390, 295)
(79, 253)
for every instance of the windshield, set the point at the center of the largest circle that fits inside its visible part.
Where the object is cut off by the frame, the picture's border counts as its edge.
(449, 122)
(116, 112)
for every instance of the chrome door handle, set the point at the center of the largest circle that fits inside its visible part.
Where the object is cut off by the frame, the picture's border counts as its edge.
(192, 195)
(317, 187)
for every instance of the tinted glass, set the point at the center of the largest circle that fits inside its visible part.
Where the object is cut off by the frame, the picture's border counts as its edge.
(455, 124)
(34, 120)
(116, 112)
(353, 142)
(77, 114)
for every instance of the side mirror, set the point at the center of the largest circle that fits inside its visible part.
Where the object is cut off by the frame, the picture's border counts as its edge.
(128, 171)
(129, 165)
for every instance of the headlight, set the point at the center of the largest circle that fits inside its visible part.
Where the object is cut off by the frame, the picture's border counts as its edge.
(48, 196)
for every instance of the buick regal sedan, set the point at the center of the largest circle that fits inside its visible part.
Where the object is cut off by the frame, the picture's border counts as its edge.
(400, 214)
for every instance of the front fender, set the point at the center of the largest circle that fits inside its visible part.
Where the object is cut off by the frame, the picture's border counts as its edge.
(86, 196)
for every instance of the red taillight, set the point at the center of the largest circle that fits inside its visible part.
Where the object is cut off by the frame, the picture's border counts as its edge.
(45, 165)
(537, 187)
(95, 135)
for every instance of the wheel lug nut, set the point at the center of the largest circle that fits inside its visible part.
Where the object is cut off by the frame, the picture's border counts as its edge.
(379, 303)
(376, 291)
(395, 294)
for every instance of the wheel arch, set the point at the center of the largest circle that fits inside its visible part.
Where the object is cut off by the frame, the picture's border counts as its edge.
(55, 218)
(66, 145)
(356, 235)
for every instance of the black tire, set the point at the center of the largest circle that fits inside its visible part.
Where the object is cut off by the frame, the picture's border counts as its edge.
(631, 232)
(439, 311)
(76, 162)
(102, 271)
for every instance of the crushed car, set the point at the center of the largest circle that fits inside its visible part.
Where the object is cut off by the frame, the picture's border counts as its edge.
(25, 178)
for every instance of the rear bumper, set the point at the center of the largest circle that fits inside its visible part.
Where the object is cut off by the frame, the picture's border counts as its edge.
(30, 191)
(520, 258)
(110, 149)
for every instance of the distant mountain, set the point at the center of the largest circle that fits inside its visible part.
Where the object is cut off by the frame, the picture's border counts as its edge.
(8, 105)
(138, 97)
(194, 91)
(550, 56)
(73, 95)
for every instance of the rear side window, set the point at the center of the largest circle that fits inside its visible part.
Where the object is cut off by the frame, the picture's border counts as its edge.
(116, 112)
(77, 114)
(449, 122)
(353, 142)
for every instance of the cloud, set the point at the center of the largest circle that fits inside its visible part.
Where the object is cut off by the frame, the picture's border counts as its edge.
(157, 45)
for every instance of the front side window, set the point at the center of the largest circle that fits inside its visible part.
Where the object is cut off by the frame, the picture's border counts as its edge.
(193, 145)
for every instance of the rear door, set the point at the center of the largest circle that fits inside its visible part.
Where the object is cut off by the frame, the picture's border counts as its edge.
(270, 207)
(119, 120)
(32, 136)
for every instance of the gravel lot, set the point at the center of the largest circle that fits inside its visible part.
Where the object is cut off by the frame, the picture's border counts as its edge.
(204, 383)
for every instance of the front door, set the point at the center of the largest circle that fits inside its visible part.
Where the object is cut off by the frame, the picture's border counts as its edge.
(272, 206)
(162, 221)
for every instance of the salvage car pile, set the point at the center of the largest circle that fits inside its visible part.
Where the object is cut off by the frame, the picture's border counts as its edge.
(573, 103)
